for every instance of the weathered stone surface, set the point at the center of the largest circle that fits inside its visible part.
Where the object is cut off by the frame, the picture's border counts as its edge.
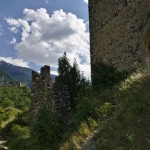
(118, 32)
(47, 94)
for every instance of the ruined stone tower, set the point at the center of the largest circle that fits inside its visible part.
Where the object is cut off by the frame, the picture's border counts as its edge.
(119, 33)
(47, 94)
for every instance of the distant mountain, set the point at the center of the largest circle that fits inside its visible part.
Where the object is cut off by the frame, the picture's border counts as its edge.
(5, 79)
(17, 73)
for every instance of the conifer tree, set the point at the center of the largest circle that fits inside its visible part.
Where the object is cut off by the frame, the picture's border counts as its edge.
(71, 76)
(75, 77)
(63, 70)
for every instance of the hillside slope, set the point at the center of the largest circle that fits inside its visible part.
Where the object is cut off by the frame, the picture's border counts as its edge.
(114, 119)
(13, 100)
(17, 73)
(129, 127)
(14, 105)
(5, 79)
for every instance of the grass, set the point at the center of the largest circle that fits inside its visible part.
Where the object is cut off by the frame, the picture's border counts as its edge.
(121, 114)
(129, 128)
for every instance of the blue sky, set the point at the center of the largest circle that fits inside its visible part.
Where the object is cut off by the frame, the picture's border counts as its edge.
(37, 32)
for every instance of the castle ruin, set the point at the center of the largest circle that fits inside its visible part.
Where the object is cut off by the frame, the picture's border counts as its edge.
(45, 93)
(120, 33)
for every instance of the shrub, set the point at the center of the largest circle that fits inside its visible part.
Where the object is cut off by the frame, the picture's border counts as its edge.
(104, 76)
(19, 134)
(47, 130)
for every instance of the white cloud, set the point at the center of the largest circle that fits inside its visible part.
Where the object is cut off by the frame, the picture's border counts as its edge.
(13, 41)
(16, 62)
(86, 1)
(86, 70)
(44, 38)
(54, 73)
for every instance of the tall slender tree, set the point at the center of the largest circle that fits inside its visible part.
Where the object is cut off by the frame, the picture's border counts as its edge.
(70, 75)
(63, 70)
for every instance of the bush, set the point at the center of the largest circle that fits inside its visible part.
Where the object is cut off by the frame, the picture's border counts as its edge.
(46, 131)
(104, 76)
(19, 134)
(7, 103)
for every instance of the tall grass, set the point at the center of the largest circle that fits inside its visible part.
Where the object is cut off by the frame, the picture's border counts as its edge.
(103, 109)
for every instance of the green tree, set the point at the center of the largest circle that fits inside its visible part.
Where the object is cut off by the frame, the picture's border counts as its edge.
(105, 76)
(72, 77)
(47, 130)
(74, 82)
(63, 70)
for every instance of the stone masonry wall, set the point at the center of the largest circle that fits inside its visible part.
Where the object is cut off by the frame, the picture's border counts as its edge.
(47, 94)
(118, 31)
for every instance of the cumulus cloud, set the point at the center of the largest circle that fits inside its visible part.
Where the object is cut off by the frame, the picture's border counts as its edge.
(16, 62)
(13, 41)
(86, 1)
(44, 37)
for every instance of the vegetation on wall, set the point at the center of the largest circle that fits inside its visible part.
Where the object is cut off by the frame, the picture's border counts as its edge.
(104, 76)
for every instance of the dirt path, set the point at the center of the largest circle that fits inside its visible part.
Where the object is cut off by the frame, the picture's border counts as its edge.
(91, 142)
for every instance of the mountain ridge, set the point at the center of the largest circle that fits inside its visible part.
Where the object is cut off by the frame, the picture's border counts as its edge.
(17, 73)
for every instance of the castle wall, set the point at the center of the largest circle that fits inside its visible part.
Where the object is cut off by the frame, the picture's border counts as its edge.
(46, 94)
(41, 86)
(61, 99)
(117, 32)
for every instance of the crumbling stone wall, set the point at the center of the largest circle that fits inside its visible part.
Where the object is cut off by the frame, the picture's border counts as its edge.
(47, 94)
(61, 99)
(117, 31)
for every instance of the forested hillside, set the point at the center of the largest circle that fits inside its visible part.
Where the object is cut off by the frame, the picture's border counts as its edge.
(5, 79)
(19, 74)
(14, 105)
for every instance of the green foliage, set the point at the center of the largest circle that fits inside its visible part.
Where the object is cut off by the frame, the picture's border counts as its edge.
(7, 103)
(130, 123)
(14, 96)
(105, 110)
(13, 100)
(19, 134)
(47, 130)
(90, 111)
(104, 76)
(64, 67)
(71, 76)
